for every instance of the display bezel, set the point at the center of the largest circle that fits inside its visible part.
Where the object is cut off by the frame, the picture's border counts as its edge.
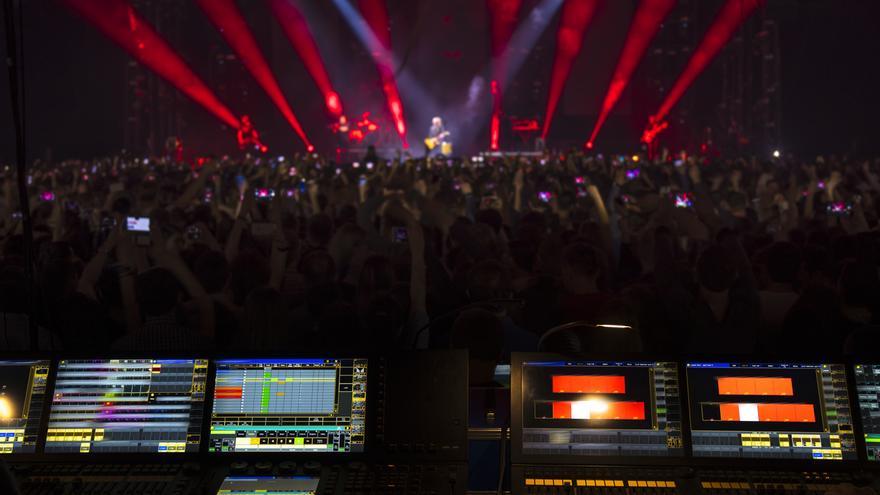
(368, 417)
(516, 414)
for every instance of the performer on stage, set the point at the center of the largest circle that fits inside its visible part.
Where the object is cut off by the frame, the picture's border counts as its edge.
(437, 141)
(248, 137)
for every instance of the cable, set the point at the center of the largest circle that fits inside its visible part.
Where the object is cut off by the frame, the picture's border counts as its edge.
(15, 81)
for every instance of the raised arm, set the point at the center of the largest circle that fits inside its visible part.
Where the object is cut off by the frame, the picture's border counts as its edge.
(234, 239)
(92, 270)
(127, 272)
(169, 259)
(195, 187)
(518, 182)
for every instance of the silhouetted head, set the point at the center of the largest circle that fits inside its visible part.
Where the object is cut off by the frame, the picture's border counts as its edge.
(715, 270)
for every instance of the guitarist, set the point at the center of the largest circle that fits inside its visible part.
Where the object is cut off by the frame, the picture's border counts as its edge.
(437, 136)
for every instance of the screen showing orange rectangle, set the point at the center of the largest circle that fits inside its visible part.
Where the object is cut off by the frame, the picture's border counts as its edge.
(779, 413)
(589, 384)
(599, 409)
(755, 386)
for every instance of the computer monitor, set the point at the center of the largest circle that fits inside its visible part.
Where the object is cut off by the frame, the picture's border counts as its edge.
(770, 410)
(127, 406)
(569, 410)
(289, 405)
(22, 392)
(269, 485)
(867, 378)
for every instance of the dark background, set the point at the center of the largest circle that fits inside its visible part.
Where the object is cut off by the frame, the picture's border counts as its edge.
(76, 95)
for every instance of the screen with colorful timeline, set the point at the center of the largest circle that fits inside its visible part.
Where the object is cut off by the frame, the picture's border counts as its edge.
(590, 408)
(289, 405)
(776, 411)
(127, 406)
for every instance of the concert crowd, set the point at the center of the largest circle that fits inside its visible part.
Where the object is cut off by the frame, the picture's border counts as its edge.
(672, 255)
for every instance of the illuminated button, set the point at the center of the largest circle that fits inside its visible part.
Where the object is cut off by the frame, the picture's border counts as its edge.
(581, 483)
(631, 483)
(530, 482)
(557, 482)
(652, 484)
(641, 484)
(618, 482)
(609, 482)
(591, 482)
(600, 482)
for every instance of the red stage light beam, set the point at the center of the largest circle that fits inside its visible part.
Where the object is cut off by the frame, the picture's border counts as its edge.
(502, 16)
(646, 23)
(119, 22)
(495, 124)
(732, 14)
(576, 15)
(228, 20)
(376, 16)
(297, 31)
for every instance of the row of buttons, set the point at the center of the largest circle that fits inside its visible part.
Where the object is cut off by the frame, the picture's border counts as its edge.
(601, 483)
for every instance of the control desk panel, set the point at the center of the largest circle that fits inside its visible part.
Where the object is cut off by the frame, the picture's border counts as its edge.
(399, 424)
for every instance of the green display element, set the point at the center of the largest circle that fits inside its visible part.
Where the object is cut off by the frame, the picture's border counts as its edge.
(264, 400)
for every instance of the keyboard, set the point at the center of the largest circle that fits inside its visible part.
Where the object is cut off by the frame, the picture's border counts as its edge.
(362, 478)
(753, 481)
(107, 479)
(576, 479)
(549, 480)
(424, 479)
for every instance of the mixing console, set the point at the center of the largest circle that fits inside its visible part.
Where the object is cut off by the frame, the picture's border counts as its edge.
(399, 425)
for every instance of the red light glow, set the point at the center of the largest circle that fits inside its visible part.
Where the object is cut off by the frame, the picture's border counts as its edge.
(646, 23)
(495, 127)
(576, 15)
(226, 17)
(732, 14)
(297, 31)
(119, 22)
(376, 16)
(333, 104)
(502, 17)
